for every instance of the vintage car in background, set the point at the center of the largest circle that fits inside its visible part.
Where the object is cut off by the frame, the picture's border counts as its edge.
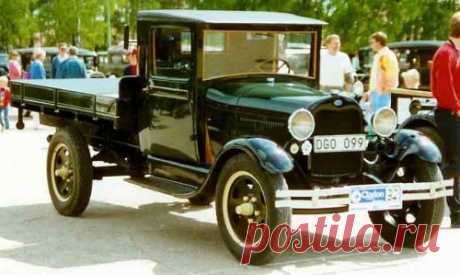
(88, 57)
(226, 107)
(3, 64)
(113, 61)
(415, 54)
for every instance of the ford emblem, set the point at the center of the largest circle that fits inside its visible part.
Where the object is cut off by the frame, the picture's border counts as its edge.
(338, 103)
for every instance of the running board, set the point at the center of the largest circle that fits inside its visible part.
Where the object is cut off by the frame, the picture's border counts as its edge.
(166, 186)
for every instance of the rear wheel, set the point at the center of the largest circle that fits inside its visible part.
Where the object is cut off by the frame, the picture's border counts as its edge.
(245, 194)
(70, 172)
(427, 212)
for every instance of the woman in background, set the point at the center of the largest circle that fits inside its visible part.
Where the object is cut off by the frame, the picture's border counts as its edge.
(14, 68)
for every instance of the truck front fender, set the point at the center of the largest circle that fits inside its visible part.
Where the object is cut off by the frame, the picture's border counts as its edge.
(271, 157)
(414, 143)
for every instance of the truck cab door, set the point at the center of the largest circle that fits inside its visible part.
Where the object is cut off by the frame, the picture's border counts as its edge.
(167, 117)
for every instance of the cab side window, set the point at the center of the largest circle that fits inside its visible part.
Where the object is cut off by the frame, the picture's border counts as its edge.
(172, 53)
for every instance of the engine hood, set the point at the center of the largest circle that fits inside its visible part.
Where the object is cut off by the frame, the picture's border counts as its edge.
(285, 97)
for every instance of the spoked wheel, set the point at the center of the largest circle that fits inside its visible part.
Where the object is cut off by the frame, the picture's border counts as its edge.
(427, 212)
(69, 172)
(243, 203)
(246, 194)
(63, 181)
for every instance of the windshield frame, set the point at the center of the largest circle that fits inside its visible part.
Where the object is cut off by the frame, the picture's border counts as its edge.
(314, 52)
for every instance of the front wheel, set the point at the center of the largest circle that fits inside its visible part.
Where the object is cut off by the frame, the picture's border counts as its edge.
(427, 212)
(246, 194)
(70, 173)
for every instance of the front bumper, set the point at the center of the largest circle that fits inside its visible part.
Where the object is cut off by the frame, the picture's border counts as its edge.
(346, 196)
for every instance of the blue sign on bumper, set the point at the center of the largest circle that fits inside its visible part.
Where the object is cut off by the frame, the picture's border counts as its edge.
(376, 197)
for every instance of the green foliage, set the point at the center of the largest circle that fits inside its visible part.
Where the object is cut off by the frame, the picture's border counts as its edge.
(85, 22)
(16, 23)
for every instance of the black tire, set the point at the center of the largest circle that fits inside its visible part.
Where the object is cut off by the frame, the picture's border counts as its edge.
(452, 201)
(240, 168)
(20, 125)
(70, 191)
(427, 212)
(200, 200)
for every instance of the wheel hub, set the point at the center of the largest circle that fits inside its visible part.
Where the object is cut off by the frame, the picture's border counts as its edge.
(64, 172)
(248, 209)
(245, 209)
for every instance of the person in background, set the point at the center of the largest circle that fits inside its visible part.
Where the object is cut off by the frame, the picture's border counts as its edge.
(336, 70)
(131, 69)
(58, 59)
(445, 85)
(411, 79)
(37, 70)
(14, 67)
(355, 63)
(72, 67)
(384, 74)
(4, 103)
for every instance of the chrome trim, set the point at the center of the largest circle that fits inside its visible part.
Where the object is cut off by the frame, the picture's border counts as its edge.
(340, 196)
(292, 117)
(394, 126)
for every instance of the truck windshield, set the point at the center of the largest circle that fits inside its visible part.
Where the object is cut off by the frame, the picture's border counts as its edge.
(230, 53)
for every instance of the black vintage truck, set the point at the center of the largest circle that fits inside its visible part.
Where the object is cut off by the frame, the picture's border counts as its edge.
(226, 108)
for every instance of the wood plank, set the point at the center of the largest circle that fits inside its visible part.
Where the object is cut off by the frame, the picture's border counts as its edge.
(409, 92)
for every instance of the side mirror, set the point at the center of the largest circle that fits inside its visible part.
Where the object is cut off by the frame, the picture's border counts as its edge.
(126, 38)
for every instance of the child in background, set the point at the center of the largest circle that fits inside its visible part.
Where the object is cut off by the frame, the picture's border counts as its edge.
(4, 103)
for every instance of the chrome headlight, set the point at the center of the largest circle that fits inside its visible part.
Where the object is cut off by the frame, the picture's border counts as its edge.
(385, 122)
(301, 124)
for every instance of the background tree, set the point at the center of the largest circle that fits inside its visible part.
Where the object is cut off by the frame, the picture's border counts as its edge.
(16, 23)
(85, 22)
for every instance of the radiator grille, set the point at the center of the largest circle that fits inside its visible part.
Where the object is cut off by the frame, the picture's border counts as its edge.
(337, 121)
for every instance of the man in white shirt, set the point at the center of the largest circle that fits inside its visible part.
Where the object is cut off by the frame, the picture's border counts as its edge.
(336, 70)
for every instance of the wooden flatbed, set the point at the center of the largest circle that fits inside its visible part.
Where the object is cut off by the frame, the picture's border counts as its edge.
(93, 97)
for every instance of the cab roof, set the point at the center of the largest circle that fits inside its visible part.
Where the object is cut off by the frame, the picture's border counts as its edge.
(228, 17)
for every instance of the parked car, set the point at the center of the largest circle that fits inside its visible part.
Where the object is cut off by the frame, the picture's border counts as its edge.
(3, 64)
(88, 57)
(219, 113)
(112, 62)
(411, 54)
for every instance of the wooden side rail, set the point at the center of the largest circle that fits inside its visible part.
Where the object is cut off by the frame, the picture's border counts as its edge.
(409, 92)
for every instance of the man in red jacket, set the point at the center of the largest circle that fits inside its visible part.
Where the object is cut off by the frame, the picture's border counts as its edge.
(445, 85)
